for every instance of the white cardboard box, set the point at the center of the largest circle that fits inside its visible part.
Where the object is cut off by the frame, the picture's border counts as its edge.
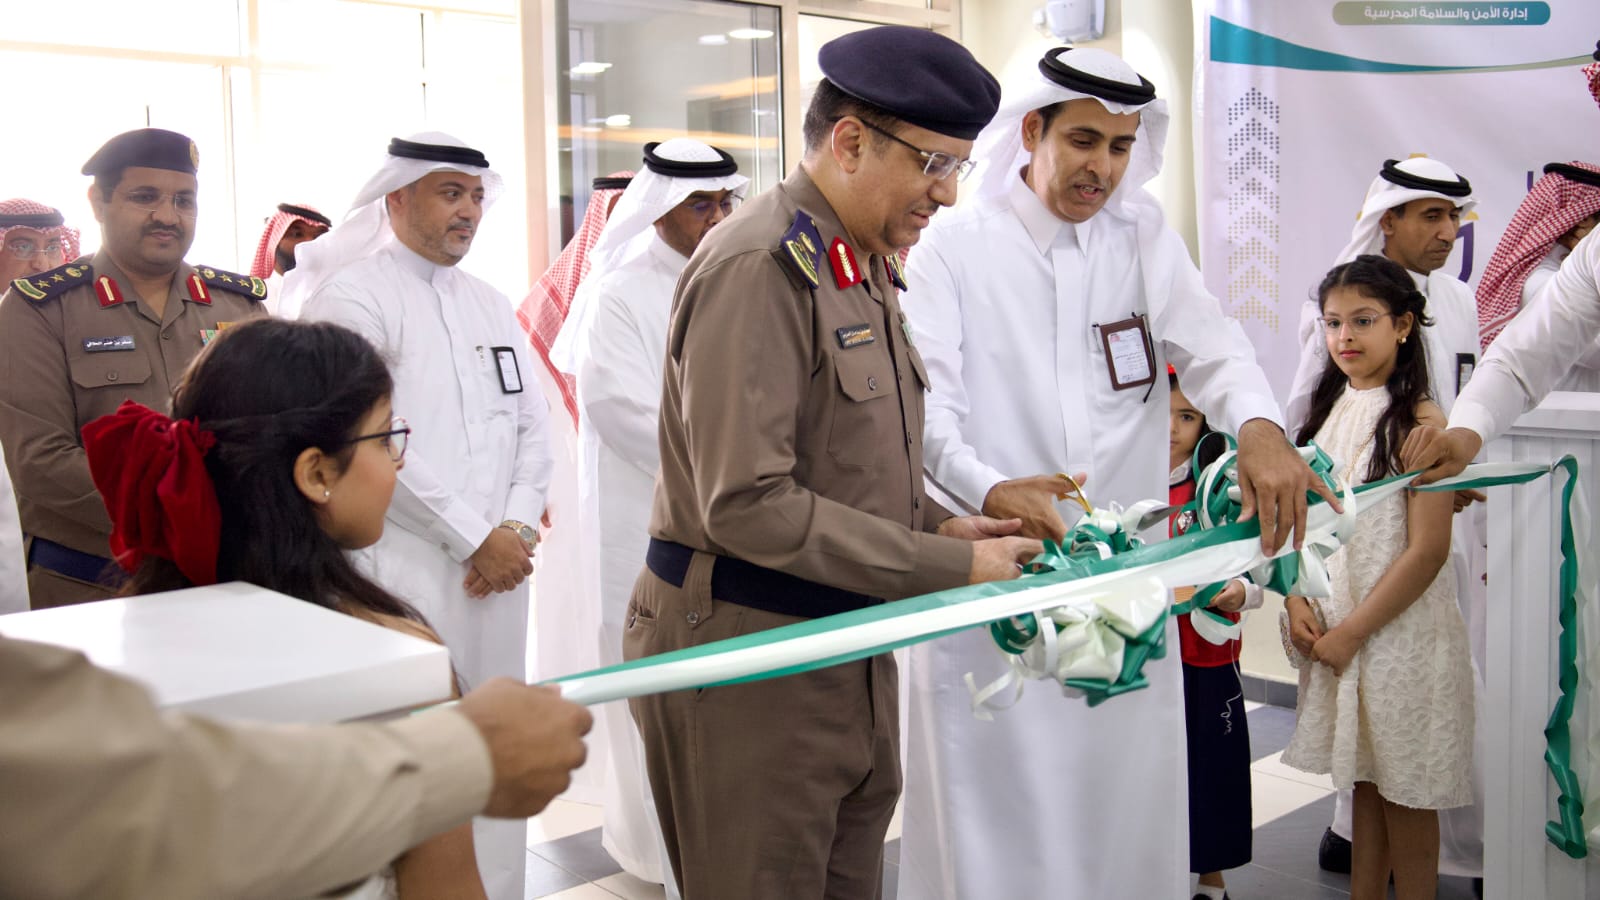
(238, 651)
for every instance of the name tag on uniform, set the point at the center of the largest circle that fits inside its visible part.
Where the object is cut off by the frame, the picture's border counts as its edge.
(1466, 363)
(510, 372)
(1130, 360)
(105, 344)
(854, 335)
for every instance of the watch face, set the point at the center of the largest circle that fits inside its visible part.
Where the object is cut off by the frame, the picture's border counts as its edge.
(527, 534)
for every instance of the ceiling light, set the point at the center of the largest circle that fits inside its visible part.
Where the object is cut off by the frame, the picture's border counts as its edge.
(713, 40)
(590, 68)
(620, 120)
(750, 34)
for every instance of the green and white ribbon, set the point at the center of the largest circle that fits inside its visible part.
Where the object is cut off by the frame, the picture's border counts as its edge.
(1088, 599)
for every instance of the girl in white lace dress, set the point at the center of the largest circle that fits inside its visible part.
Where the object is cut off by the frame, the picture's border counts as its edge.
(1385, 705)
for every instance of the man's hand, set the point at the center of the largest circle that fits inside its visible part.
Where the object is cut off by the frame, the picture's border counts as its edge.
(1033, 500)
(1273, 481)
(535, 741)
(1465, 499)
(500, 563)
(1001, 559)
(1442, 452)
(976, 528)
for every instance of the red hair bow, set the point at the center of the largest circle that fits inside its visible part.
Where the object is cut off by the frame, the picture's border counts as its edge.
(151, 472)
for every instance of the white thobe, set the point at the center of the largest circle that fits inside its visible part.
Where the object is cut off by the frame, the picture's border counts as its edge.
(477, 456)
(13, 571)
(1450, 341)
(619, 364)
(1053, 798)
(1537, 348)
(1585, 372)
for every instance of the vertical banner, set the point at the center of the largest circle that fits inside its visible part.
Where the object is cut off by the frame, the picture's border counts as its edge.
(1300, 104)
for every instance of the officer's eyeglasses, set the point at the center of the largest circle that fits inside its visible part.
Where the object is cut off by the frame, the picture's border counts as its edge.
(939, 165)
(1358, 324)
(24, 249)
(394, 440)
(152, 201)
(703, 208)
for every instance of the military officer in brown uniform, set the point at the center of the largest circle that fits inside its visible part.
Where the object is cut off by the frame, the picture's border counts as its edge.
(78, 340)
(791, 482)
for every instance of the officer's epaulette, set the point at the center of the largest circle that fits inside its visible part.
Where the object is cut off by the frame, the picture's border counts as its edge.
(205, 277)
(41, 287)
(801, 251)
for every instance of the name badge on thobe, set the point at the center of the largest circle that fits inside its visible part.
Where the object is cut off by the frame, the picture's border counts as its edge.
(1466, 363)
(105, 344)
(510, 372)
(1130, 359)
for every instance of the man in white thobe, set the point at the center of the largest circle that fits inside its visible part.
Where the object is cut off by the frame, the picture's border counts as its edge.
(1412, 215)
(1031, 306)
(460, 528)
(614, 344)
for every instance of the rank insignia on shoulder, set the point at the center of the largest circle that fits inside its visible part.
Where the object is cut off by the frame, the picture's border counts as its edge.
(801, 249)
(846, 271)
(41, 287)
(897, 272)
(206, 279)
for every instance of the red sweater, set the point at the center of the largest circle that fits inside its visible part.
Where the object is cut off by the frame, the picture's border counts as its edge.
(1194, 649)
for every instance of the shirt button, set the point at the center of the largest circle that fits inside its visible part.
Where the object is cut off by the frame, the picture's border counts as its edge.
(872, 382)
(111, 376)
(166, 335)
(693, 617)
(916, 502)
(908, 439)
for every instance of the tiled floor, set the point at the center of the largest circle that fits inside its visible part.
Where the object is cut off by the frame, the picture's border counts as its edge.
(566, 862)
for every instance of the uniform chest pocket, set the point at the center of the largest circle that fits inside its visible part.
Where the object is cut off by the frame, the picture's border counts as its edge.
(119, 369)
(864, 418)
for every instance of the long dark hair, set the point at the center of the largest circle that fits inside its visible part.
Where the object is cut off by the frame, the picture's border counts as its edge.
(1386, 281)
(269, 389)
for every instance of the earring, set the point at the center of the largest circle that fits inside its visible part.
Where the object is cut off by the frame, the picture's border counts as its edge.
(327, 493)
(1402, 340)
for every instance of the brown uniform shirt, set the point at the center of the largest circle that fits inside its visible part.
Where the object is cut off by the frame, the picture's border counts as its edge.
(101, 795)
(73, 355)
(791, 415)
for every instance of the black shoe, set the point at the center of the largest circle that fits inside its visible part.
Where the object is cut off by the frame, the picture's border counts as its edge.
(1477, 888)
(1204, 897)
(1334, 854)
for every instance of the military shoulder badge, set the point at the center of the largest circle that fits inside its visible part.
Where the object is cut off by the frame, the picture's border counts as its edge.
(801, 250)
(41, 287)
(206, 279)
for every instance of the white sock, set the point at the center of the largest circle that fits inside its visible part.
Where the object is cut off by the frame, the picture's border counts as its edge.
(1210, 892)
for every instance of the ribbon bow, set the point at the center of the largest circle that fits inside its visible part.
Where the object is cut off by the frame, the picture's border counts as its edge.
(151, 472)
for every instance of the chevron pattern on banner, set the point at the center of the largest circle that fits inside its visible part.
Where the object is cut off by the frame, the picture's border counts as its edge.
(1253, 233)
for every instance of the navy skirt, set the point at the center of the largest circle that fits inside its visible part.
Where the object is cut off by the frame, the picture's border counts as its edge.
(1219, 768)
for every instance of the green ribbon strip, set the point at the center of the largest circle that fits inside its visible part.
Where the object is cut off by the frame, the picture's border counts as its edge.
(1059, 567)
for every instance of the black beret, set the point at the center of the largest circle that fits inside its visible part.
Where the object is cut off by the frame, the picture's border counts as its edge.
(918, 76)
(152, 148)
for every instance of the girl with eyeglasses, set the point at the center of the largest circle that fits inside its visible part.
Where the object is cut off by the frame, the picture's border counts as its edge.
(1386, 685)
(280, 455)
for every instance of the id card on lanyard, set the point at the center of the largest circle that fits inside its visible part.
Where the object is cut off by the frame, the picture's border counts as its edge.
(1130, 357)
(510, 371)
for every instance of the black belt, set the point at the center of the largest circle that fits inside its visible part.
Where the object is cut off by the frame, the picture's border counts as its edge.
(64, 560)
(747, 584)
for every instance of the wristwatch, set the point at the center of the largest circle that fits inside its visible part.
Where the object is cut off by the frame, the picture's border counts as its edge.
(529, 534)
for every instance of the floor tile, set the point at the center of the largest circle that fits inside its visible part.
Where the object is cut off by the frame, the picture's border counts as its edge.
(1272, 797)
(580, 854)
(1270, 728)
(562, 818)
(1255, 881)
(1288, 846)
(546, 878)
(1274, 765)
(630, 888)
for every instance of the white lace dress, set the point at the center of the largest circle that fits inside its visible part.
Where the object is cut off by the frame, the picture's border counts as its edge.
(1401, 715)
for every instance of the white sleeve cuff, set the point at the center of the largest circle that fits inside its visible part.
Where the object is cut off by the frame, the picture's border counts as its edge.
(1474, 417)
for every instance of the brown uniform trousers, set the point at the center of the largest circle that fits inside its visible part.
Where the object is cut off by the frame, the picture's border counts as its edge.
(791, 439)
(71, 356)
